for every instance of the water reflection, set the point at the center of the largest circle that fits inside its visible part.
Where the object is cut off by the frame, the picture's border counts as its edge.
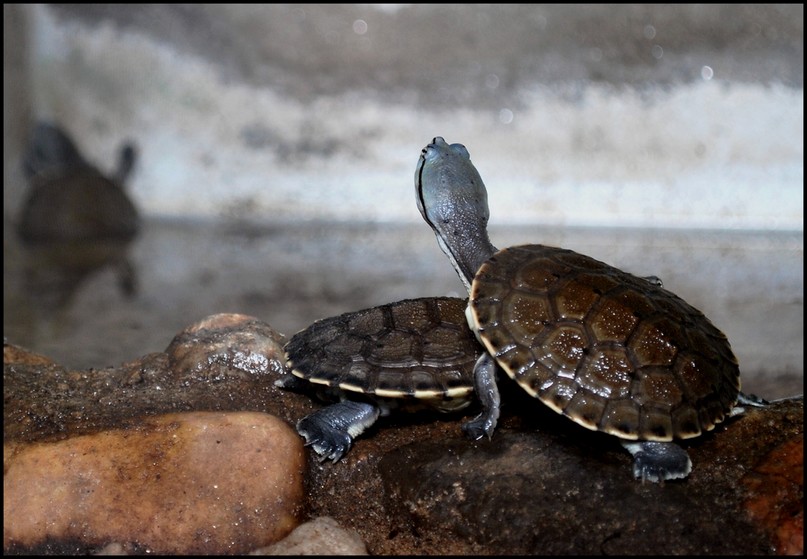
(75, 220)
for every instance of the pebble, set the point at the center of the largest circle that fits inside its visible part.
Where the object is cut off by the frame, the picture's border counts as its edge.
(226, 345)
(185, 483)
(320, 536)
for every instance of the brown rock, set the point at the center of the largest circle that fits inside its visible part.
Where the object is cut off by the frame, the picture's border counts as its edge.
(198, 482)
(776, 496)
(558, 489)
(543, 485)
(225, 362)
(15, 355)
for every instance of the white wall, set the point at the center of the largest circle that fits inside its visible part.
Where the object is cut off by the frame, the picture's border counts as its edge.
(665, 117)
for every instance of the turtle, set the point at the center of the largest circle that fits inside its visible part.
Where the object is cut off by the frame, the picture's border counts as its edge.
(407, 355)
(613, 352)
(75, 219)
(70, 200)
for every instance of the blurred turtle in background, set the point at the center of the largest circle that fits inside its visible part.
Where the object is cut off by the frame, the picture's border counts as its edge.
(75, 219)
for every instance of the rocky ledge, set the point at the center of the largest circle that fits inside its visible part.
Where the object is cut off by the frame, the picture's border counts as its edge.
(191, 450)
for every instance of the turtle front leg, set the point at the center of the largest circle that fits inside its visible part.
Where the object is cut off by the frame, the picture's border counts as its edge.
(330, 431)
(658, 461)
(655, 280)
(488, 393)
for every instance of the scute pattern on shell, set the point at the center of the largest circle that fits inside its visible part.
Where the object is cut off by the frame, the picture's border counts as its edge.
(420, 348)
(612, 351)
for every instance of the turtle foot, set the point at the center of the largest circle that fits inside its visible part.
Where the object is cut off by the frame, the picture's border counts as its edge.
(327, 442)
(330, 431)
(658, 461)
(292, 383)
(480, 426)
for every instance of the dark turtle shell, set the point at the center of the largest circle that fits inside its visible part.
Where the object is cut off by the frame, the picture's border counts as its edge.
(611, 351)
(417, 348)
(80, 205)
(70, 201)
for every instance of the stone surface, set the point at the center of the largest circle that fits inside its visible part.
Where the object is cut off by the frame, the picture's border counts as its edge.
(776, 496)
(198, 482)
(320, 536)
(224, 362)
(526, 494)
(224, 344)
(13, 354)
(543, 485)
(413, 484)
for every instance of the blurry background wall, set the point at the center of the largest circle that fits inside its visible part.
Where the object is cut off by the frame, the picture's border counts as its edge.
(644, 115)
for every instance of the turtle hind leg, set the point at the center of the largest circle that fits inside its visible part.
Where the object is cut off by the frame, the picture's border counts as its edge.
(752, 400)
(331, 430)
(658, 461)
(488, 393)
(747, 400)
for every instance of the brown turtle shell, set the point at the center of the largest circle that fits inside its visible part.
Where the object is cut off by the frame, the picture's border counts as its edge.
(416, 348)
(77, 205)
(611, 351)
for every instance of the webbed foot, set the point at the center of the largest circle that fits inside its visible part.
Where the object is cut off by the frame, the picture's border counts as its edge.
(330, 431)
(658, 461)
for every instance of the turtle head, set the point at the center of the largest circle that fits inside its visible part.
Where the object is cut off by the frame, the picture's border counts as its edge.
(50, 150)
(452, 199)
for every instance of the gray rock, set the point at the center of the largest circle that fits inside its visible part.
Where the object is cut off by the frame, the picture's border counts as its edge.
(320, 536)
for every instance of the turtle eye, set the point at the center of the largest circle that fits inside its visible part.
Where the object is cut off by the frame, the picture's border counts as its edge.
(461, 150)
(429, 152)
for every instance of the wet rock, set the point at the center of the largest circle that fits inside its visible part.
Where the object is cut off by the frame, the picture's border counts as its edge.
(201, 482)
(413, 484)
(15, 355)
(320, 536)
(225, 362)
(226, 344)
(564, 491)
(776, 496)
